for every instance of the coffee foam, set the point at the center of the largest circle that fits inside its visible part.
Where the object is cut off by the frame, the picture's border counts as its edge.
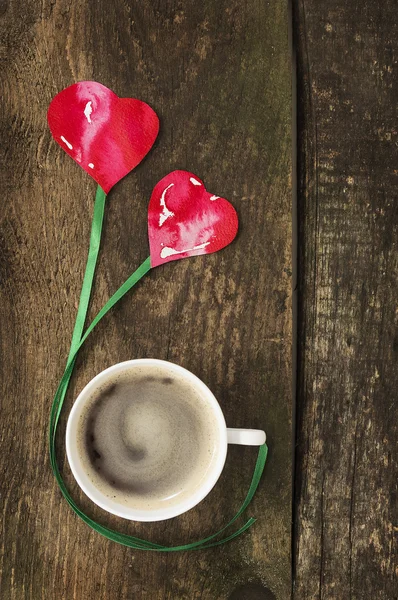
(147, 438)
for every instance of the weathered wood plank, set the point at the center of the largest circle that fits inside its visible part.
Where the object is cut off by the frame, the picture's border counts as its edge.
(218, 74)
(346, 517)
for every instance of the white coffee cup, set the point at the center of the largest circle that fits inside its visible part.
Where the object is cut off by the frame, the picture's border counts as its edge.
(249, 437)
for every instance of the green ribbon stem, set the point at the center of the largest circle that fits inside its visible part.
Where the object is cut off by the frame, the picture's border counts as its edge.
(78, 339)
(85, 294)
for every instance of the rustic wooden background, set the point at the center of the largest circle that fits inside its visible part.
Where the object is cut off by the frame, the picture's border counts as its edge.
(219, 76)
(346, 516)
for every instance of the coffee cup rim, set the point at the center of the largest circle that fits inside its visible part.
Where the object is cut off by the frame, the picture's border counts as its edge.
(110, 505)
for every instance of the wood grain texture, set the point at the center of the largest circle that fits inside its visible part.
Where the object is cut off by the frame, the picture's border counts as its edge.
(346, 475)
(218, 74)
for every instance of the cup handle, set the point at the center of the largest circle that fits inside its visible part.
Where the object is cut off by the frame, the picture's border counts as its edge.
(246, 437)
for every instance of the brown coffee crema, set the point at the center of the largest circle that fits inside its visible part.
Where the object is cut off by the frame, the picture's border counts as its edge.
(147, 438)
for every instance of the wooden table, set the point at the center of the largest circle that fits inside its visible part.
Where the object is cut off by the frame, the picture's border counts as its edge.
(219, 75)
(345, 534)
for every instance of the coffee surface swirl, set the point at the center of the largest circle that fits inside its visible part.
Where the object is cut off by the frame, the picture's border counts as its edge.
(147, 438)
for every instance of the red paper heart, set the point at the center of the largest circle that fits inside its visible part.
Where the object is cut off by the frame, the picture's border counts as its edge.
(186, 220)
(106, 135)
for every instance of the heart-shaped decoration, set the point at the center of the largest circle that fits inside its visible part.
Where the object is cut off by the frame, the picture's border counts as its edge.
(106, 135)
(184, 219)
